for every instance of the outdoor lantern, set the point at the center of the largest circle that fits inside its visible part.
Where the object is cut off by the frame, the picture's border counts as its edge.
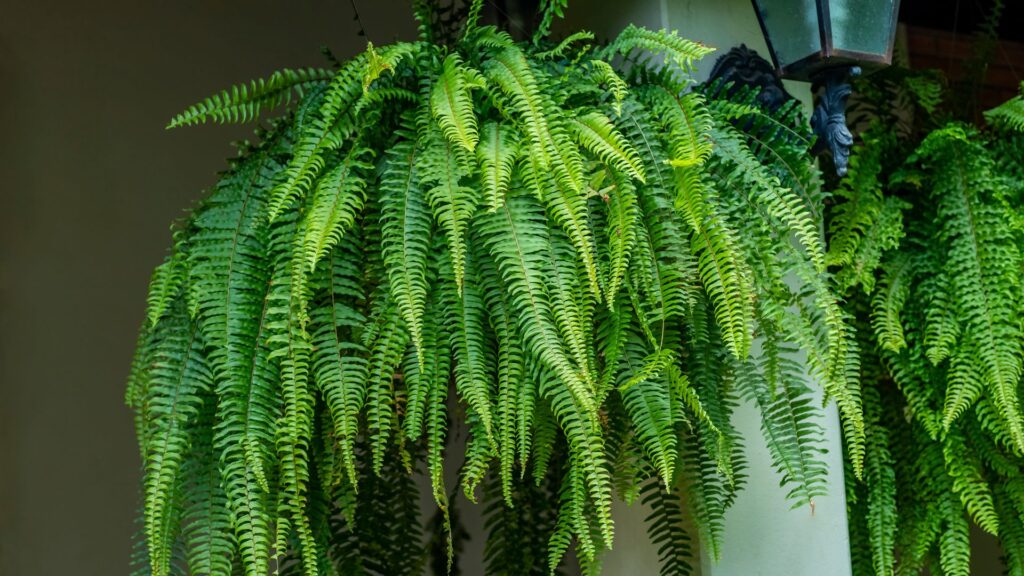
(826, 42)
(808, 36)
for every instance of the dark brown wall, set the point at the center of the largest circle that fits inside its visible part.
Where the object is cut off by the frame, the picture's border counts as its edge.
(949, 52)
(89, 181)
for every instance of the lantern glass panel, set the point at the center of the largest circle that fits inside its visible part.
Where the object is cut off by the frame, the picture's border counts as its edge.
(862, 25)
(791, 27)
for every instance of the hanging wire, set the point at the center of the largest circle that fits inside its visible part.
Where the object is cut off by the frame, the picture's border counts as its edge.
(1002, 48)
(508, 18)
(359, 21)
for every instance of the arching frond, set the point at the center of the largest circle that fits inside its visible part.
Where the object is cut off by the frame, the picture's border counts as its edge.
(442, 170)
(605, 74)
(497, 154)
(1009, 114)
(596, 133)
(683, 53)
(722, 270)
(451, 103)
(244, 102)
(337, 200)
(180, 376)
(166, 281)
(406, 226)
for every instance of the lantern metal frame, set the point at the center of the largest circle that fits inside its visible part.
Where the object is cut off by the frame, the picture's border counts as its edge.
(830, 69)
(828, 56)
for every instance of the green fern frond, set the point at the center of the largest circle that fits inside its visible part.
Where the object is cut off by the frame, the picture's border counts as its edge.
(668, 531)
(549, 9)
(336, 202)
(406, 227)
(244, 102)
(648, 401)
(515, 403)
(166, 281)
(1009, 114)
(779, 203)
(964, 384)
(180, 375)
(451, 104)
(518, 241)
(683, 53)
(573, 313)
(888, 304)
(497, 154)
(339, 366)
(385, 356)
(865, 224)
(320, 136)
(206, 518)
(954, 542)
(596, 133)
(291, 347)
(722, 270)
(970, 484)
(466, 318)
(942, 329)
(788, 421)
(621, 236)
(605, 74)
(880, 475)
(562, 47)
(384, 61)
(442, 170)
(687, 123)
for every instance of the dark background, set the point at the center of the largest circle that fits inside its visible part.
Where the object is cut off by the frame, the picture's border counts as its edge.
(89, 182)
(964, 16)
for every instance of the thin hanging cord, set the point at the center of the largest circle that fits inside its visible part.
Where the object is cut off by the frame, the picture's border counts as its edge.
(1002, 49)
(359, 21)
(508, 18)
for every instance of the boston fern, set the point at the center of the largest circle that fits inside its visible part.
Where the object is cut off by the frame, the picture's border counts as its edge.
(568, 258)
(927, 241)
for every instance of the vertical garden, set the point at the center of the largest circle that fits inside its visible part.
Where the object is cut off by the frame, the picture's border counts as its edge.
(579, 261)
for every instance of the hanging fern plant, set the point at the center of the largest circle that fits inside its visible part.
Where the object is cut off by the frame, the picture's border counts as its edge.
(568, 257)
(927, 241)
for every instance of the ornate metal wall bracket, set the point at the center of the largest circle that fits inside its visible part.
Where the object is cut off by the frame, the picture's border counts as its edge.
(744, 67)
(829, 118)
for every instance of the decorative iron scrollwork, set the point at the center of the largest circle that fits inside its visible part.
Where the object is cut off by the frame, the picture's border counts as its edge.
(742, 66)
(829, 118)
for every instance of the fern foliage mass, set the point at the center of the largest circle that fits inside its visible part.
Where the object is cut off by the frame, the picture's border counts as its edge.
(926, 241)
(569, 256)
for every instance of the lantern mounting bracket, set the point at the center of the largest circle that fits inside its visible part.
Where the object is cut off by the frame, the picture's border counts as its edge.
(743, 67)
(829, 118)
